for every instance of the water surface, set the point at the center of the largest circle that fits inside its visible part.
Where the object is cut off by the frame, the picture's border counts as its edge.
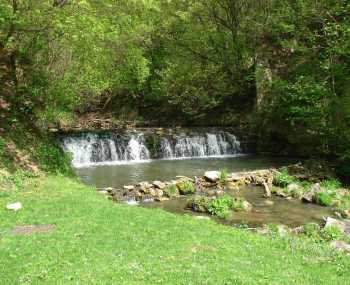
(134, 172)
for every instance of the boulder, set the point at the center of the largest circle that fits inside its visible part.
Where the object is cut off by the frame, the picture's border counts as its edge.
(345, 214)
(294, 187)
(159, 192)
(344, 225)
(161, 199)
(159, 184)
(247, 207)
(232, 186)
(212, 176)
(14, 206)
(129, 187)
(144, 185)
(340, 245)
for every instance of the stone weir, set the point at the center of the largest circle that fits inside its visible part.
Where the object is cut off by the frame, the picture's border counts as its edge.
(142, 144)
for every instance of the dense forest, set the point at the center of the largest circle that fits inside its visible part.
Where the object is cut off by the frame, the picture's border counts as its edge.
(282, 67)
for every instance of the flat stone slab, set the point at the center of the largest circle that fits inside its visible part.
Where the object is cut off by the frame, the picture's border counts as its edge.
(32, 229)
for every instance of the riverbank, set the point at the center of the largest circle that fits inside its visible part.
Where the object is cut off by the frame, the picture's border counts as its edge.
(95, 241)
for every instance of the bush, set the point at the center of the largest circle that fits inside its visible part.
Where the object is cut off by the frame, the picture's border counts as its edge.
(199, 204)
(223, 176)
(331, 185)
(324, 199)
(331, 233)
(171, 190)
(221, 207)
(186, 187)
(283, 179)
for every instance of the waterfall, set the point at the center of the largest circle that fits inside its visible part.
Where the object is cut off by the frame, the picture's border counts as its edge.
(111, 148)
(207, 145)
(89, 149)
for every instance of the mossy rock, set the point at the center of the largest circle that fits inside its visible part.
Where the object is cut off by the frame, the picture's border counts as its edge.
(199, 204)
(186, 187)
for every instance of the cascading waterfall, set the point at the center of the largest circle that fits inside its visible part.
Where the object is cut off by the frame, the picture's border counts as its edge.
(89, 149)
(220, 144)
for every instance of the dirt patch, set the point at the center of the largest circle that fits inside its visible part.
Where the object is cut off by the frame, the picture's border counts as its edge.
(32, 229)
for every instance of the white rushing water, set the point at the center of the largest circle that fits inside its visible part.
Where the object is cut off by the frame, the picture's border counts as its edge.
(93, 149)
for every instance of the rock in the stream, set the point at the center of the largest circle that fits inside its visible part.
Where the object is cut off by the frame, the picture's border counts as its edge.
(344, 226)
(340, 245)
(159, 184)
(267, 190)
(161, 199)
(344, 214)
(129, 187)
(212, 176)
(14, 206)
(309, 195)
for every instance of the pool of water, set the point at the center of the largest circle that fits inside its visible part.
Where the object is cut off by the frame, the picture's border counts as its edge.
(131, 173)
(278, 211)
(288, 212)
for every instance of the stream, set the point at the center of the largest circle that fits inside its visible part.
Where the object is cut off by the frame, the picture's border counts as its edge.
(116, 159)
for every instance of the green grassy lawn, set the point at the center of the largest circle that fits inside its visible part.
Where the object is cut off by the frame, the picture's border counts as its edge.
(99, 242)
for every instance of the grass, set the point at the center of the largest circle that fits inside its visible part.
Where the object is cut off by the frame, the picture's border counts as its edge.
(99, 242)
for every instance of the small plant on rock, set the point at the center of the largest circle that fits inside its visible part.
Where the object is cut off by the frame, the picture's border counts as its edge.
(187, 187)
(223, 176)
(331, 185)
(324, 199)
(283, 179)
(221, 207)
(199, 204)
(171, 191)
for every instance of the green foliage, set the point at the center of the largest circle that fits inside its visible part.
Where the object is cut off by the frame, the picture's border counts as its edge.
(186, 187)
(324, 199)
(223, 176)
(312, 230)
(16, 180)
(171, 190)
(331, 233)
(199, 204)
(331, 185)
(2, 146)
(52, 159)
(283, 179)
(221, 207)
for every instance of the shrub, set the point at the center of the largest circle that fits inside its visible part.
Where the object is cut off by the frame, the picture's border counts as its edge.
(283, 179)
(186, 187)
(331, 184)
(199, 204)
(223, 176)
(171, 190)
(331, 233)
(324, 199)
(221, 207)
